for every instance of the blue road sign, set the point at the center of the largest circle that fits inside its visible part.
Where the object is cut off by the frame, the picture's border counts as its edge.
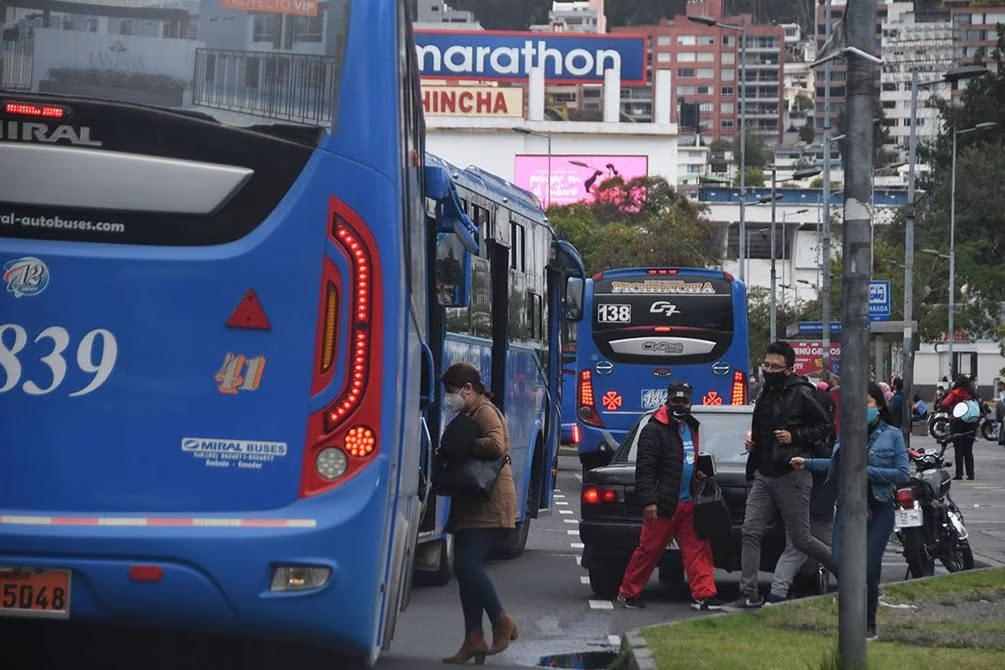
(879, 300)
(818, 326)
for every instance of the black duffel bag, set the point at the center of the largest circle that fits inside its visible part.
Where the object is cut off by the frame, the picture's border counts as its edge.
(711, 515)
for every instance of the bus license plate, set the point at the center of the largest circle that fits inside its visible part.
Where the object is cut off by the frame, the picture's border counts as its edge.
(30, 592)
(908, 518)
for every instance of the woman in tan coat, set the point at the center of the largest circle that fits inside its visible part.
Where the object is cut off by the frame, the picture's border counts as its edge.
(478, 525)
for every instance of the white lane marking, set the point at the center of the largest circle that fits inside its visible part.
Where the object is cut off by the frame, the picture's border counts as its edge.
(572, 532)
(579, 560)
(558, 490)
(576, 545)
(584, 579)
(559, 495)
(601, 605)
(615, 640)
(561, 502)
(570, 520)
(565, 511)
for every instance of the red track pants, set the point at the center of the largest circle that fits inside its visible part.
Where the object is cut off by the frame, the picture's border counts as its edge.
(695, 552)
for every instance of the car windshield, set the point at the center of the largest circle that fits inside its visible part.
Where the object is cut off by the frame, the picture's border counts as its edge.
(241, 62)
(722, 434)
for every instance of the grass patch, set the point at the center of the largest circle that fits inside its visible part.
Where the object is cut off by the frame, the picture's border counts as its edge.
(958, 621)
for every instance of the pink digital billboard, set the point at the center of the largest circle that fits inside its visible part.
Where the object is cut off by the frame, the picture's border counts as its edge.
(574, 178)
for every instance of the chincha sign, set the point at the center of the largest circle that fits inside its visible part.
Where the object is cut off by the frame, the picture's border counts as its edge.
(509, 56)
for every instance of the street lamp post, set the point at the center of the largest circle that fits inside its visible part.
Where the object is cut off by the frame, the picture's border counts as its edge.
(952, 239)
(825, 242)
(803, 173)
(907, 376)
(742, 29)
(547, 136)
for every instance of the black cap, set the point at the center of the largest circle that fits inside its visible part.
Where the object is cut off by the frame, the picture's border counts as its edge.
(679, 389)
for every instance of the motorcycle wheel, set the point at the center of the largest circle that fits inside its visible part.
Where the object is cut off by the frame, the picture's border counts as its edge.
(989, 430)
(939, 428)
(958, 557)
(919, 563)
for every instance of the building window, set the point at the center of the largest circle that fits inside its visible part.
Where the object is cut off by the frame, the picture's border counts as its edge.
(727, 91)
(728, 75)
(706, 40)
(728, 58)
(729, 40)
(686, 40)
(686, 57)
(726, 124)
(663, 41)
(663, 57)
(706, 57)
(706, 73)
(686, 90)
(685, 72)
(726, 107)
(704, 90)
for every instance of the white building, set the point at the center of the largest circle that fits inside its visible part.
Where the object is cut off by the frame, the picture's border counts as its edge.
(910, 45)
(440, 15)
(575, 16)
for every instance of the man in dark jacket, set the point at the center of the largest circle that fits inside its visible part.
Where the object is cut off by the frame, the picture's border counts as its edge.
(665, 476)
(788, 421)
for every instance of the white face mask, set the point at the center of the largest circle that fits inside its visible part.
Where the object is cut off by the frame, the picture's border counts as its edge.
(453, 402)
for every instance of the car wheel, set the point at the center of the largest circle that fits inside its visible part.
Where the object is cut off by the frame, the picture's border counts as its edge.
(605, 581)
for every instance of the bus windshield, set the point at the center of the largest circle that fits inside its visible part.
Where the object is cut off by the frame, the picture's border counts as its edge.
(240, 62)
(678, 318)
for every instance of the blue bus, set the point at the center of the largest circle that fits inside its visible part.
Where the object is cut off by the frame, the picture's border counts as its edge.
(509, 326)
(219, 324)
(642, 329)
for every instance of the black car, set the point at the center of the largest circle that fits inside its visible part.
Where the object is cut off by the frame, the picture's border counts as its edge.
(611, 515)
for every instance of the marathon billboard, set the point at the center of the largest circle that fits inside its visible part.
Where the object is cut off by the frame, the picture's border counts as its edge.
(567, 58)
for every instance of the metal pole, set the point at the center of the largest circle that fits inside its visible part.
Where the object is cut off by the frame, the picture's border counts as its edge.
(743, 141)
(825, 247)
(773, 317)
(952, 259)
(860, 20)
(908, 353)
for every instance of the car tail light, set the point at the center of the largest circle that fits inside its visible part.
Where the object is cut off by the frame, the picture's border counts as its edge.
(595, 495)
(344, 436)
(738, 391)
(587, 404)
(905, 497)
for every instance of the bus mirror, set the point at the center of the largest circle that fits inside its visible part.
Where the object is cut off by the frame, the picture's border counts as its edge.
(450, 215)
(572, 301)
(453, 271)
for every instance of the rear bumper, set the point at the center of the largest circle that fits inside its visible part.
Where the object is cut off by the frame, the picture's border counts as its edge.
(216, 578)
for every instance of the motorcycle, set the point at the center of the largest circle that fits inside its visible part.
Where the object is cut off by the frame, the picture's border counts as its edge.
(927, 522)
(990, 428)
(938, 424)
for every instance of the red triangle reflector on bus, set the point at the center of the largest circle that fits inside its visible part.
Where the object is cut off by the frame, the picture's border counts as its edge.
(249, 314)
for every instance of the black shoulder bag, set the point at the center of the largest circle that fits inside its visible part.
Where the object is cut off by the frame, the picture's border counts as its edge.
(459, 472)
(711, 515)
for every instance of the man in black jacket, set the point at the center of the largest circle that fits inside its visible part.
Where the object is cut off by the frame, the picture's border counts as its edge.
(665, 476)
(788, 421)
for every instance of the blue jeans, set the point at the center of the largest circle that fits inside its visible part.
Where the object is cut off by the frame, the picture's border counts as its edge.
(878, 529)
(471, 547)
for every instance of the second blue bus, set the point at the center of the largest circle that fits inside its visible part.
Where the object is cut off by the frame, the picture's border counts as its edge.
(645, 327)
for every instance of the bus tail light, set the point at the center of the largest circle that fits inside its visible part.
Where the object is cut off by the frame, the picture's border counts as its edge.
(662, 271)
(343, 437)
(587, 404)
(298, 577)
(738, 390)
(575, 433)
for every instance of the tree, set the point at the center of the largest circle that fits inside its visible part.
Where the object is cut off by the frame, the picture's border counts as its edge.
(644, 221)
(807, 134)
(803, 102)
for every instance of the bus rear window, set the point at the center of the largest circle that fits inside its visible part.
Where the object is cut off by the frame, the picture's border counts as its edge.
(677, 319)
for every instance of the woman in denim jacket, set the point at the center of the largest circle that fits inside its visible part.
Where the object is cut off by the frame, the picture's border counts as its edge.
(887, 468)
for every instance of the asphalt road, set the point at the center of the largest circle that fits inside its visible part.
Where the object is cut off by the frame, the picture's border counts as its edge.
(546, 590)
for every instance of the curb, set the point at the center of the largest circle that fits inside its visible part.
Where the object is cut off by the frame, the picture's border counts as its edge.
(640, 656)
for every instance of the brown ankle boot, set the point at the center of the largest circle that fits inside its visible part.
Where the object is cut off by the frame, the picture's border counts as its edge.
(503, 630)
(474, 647)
